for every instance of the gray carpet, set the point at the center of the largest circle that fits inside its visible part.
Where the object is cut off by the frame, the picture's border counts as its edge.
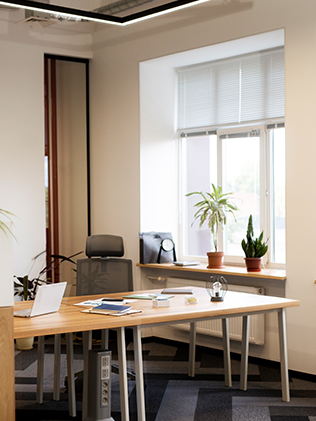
(170, 394)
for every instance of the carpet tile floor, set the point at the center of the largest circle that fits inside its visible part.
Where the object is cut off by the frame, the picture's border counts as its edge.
(169, 393)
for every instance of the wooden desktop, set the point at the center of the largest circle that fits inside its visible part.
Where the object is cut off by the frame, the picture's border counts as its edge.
(70, 319)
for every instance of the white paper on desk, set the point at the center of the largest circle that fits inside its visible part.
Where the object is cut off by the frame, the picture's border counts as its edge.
(89, 303)
(94, 303)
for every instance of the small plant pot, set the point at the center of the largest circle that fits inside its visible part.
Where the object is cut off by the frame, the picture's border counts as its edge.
(253, 264)
(24, 344)
(215, 260)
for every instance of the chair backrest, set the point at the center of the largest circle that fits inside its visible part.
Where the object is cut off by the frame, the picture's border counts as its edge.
(104, 245)
(104, 271)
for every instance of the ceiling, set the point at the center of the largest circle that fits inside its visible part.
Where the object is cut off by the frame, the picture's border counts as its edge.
(118, 12)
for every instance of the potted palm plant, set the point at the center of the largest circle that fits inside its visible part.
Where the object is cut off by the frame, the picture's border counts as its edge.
(213, 209)
(254, 248)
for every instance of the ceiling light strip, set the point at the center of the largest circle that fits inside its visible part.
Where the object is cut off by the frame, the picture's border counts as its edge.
(160, 10)
(63, 11)
(99, 18)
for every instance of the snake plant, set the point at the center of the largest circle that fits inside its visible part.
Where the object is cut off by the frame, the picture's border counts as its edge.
(254, 247)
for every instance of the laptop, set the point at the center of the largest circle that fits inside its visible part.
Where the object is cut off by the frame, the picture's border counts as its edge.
(47, 300)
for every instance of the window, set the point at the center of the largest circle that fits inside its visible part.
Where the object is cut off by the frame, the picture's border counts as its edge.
(226, 137)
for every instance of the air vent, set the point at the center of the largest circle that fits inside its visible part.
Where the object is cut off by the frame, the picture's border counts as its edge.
(39, 21)
(34, 17)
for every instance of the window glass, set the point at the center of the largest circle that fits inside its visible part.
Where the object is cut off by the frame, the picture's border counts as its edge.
(199, 171)
(241, 175)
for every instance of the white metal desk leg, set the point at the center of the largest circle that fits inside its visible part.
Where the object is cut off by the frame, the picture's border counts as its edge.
(283, 356)
(192, 349)
(141, 413)
(71, 375)
(226, 346)
(57, 347)
(121, 350)
(40, 369)
(87, 345)
(244, 353)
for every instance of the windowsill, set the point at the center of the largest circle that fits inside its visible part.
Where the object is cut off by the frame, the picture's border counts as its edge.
(276, 274)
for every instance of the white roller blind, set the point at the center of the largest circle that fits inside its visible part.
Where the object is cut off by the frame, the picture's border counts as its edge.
(238, 90)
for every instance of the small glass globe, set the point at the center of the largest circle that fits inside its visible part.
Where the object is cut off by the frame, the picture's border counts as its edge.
(216, 288)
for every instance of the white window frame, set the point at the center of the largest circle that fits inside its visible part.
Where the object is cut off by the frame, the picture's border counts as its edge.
(266, 187)
(270, 193)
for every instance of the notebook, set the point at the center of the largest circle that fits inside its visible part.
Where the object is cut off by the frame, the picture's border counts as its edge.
(109, 309)
(47, 300)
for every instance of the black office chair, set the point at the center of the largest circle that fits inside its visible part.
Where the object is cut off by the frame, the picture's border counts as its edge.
(103, 271)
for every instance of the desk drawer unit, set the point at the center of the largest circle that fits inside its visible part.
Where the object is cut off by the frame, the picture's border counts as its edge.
(214, 327)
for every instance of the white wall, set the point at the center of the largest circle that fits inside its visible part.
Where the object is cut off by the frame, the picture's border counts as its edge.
(22, 131)
(158, 148)
(116, 131)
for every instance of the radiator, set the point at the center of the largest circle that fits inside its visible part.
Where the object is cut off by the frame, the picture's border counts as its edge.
(214, 327)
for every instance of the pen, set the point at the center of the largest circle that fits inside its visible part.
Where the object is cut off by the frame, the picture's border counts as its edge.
(112, 299)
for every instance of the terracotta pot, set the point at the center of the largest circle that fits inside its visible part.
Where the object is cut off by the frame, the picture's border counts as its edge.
(215, 260)
(253, 264)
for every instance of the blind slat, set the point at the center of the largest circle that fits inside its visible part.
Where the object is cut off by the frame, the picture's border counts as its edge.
(249, 88)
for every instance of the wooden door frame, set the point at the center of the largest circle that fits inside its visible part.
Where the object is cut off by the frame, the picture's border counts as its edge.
(50, 100)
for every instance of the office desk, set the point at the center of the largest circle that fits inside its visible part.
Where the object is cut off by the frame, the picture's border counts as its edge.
(67, 320)
(70, 319)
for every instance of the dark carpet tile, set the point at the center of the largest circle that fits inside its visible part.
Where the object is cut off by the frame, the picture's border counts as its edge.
(269, 374)
(154, 393)
(130, 354)
(159, 358)
(25, 396)
(303, 393)
(289, 418)
(179, 376)
(213, 406)
(30, 397)
(291, 411)
(49, 349)
(262, 393)
(116, 416)
(211, 361)
(25, 380)
(42, 415)
(25, 358)
(182, 353)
